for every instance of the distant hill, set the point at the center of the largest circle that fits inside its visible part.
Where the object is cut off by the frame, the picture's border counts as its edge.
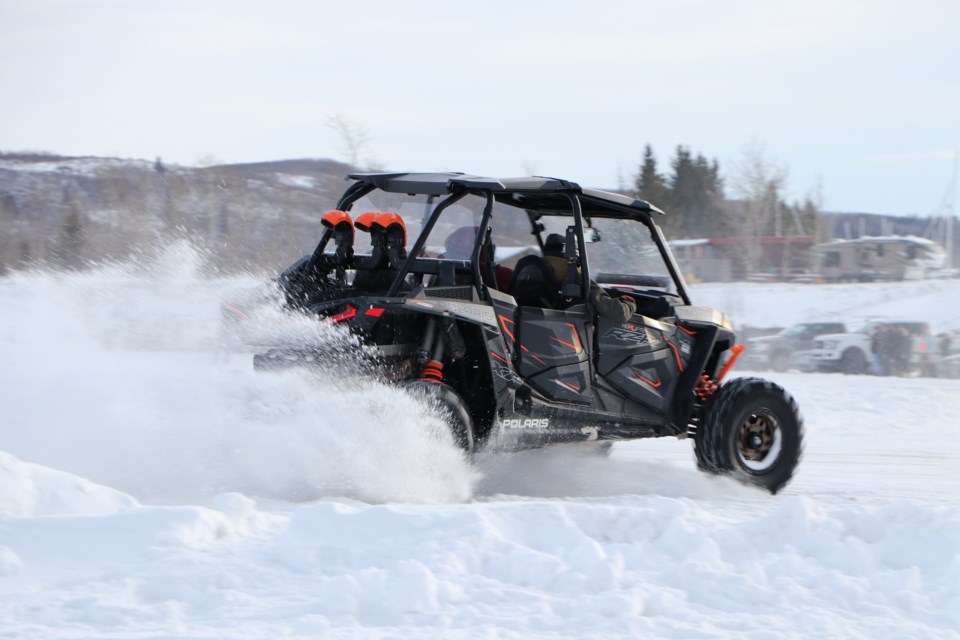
(69, 211)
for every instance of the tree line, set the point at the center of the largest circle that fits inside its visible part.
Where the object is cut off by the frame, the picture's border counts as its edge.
(70, 212)
(694, 192)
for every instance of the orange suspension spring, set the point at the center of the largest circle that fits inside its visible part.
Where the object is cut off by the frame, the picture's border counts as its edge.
(432, 371)
(705, 387)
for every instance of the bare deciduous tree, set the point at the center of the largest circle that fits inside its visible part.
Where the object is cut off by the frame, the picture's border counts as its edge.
(760, 184)
(354, 138)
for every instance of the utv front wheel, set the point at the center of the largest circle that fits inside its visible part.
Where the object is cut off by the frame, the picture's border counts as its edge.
(451, 407)
(753, 431)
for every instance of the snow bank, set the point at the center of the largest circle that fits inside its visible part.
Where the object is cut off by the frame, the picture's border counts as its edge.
(645, 566)
(34, 490)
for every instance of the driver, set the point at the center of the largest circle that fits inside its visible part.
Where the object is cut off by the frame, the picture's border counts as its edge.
(617, 310)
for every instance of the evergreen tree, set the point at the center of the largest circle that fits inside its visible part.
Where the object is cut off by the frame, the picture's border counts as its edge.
(650, 185)
(697, 191)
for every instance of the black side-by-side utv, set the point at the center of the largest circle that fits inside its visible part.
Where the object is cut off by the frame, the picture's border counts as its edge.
(449, 280)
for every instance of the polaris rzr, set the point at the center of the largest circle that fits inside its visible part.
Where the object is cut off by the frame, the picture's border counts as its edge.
(443, 278)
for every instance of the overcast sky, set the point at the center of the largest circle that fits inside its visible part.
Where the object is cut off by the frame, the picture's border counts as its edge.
(862, 97)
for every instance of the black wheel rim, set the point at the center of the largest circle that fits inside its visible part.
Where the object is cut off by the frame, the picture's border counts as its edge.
(759, 440)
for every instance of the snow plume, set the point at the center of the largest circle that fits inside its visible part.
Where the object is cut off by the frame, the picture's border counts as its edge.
(119, 375)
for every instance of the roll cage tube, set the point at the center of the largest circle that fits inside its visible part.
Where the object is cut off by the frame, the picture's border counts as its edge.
(319, 249)
(353, 193)
(479, 242)
(668, 259)
(420, 241)
(582, 248)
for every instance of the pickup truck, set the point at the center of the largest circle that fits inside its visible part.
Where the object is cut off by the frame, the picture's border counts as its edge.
(854, 353)
(773, 352)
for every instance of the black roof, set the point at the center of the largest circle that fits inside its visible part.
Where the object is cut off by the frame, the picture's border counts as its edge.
(547, 195)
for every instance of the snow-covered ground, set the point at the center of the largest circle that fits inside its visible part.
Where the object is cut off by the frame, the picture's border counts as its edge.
(154, 486)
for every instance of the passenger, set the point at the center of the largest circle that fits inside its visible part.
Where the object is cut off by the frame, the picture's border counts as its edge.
(459, 246)
(617, 310)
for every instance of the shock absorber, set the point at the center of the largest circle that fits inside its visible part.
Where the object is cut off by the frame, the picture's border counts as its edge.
(426, 344)
(707, 386)
(432, 348)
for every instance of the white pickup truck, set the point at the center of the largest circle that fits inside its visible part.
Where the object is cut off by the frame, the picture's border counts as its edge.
(855, 352)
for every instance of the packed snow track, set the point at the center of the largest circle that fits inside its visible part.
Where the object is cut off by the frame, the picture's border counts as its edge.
(153, 485)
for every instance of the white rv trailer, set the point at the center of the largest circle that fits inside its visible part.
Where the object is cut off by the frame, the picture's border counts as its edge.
(879, 258)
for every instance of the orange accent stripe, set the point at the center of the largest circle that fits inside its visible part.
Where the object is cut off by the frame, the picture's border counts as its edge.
(499, 357)
(576, 346)
(536, 358)
(676, 353)
(576, 337)
(503, 323)
(687, 331)
(653, 384)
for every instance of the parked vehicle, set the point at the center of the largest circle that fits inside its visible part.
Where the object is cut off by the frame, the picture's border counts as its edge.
(949, 367)
(534, 359)
(773, 352)
(880, 347)
(869, 259)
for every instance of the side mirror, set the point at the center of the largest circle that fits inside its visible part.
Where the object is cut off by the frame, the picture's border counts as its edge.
(591, 235)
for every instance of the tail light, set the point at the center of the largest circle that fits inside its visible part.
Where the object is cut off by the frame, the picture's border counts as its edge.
(349, 311)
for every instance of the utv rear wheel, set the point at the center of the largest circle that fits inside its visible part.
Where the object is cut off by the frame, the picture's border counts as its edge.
(450, 406)
(753, 431)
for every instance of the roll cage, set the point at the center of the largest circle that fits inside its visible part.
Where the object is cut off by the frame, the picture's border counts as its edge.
(536, 196)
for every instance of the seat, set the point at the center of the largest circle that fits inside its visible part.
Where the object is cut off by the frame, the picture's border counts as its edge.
(534, 284)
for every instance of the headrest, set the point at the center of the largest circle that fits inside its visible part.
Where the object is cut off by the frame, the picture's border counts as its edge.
(338, 220)
(332, 218)
(391, 223)
(365, 221)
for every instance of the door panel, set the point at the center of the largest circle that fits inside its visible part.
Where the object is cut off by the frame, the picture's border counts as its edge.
(642, 359)
(552, 352)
